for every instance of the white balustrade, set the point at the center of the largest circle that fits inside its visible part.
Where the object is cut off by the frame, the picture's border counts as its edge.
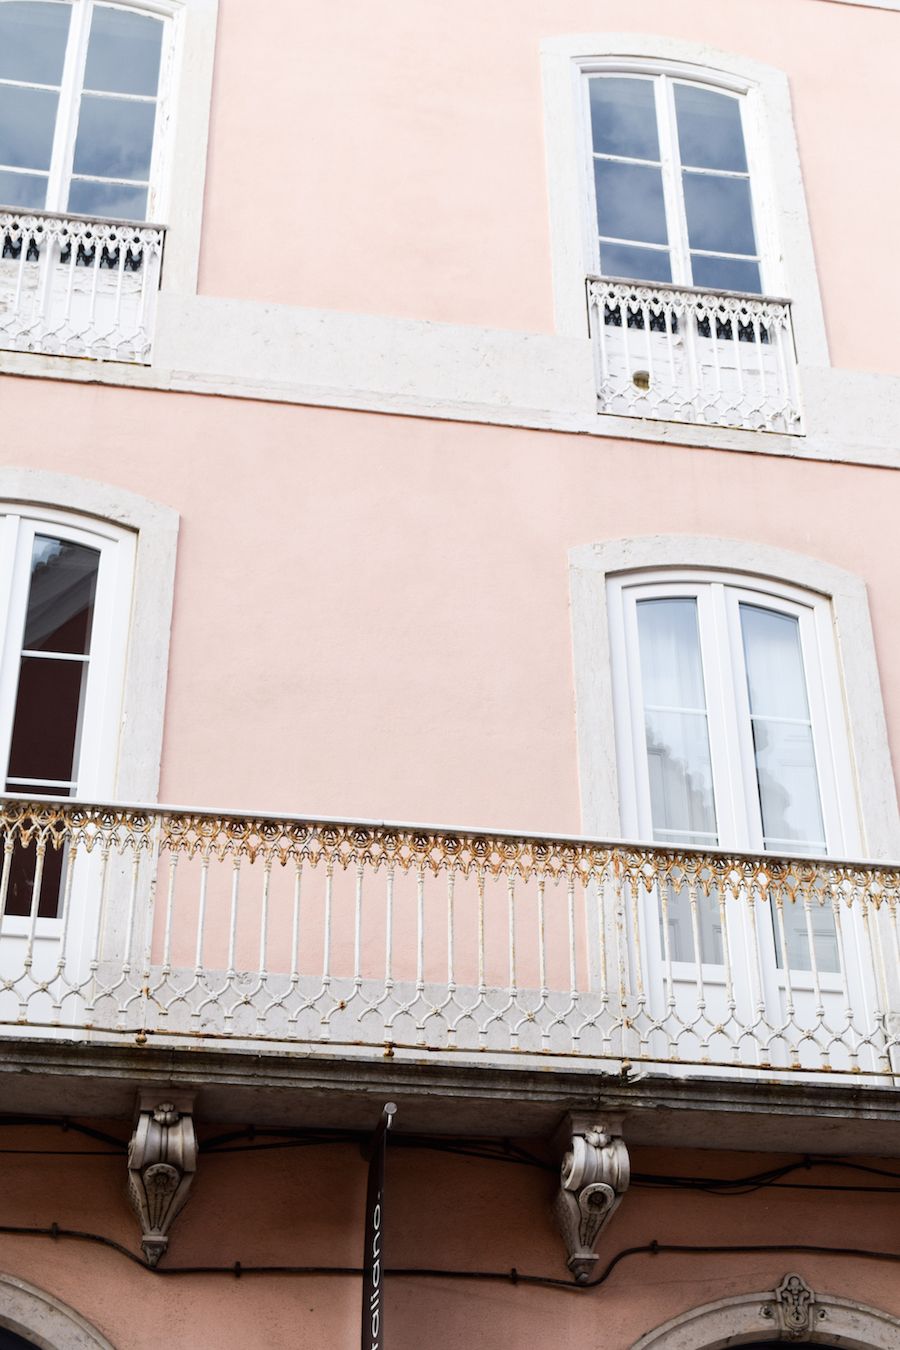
(354, 939)
(681, 354)
(76, 287)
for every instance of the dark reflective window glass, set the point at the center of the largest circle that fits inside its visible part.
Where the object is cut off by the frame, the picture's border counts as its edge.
(27, 124)
(20, 892)
(638, 264)
(110, 200)
(23, 189)
(710, 135)
(61, 598)
(623, 118)
(726, 274)
(115, 138)
(630, 202)
(123, 52)
(33, 41)
(719, 213)
(45, 725)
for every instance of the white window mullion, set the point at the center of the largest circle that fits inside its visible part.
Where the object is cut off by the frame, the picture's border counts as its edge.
(749, 823)
(12, 617)
(69, 102)
(672, 187)
(17, 548)
(728, 785)
(638, 822)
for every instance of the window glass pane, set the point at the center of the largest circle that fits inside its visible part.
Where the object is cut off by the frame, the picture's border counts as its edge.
(726, 274)
(27, 123)
(775, 677)
(681, 924)
(23, 189)
(33, 41)
(796, 938)
(681, 791)
(46, 718)
(639, 264)
(20, 896)
(115, 138)
(630, 202)
(110, 200)
(623, 118)
(719, 213)
(61, 598)
(710, 135)
(677, 738)
(671, 669)
(788, 785)
(123, 52)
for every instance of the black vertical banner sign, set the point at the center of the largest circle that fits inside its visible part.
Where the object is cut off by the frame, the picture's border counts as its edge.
(373, 1252)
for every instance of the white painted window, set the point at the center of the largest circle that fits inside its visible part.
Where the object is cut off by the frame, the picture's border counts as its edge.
(65, 596)
(83, 89)
(671, 182)
(731, 732)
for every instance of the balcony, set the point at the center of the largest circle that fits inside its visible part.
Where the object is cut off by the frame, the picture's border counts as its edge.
(361, 940)
(680, 354)
(78, 287)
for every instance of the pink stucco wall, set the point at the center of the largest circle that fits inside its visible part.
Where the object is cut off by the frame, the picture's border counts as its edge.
(304, 1206)
(396, 156)
(371, 613)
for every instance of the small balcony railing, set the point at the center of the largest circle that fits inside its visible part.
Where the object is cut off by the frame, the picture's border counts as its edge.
(681, 354)
(78, 287)
(368, 939)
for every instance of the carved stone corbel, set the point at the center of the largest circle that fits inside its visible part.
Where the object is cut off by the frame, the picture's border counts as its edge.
(593, 1178)
(162, 1160)
(793, 1307)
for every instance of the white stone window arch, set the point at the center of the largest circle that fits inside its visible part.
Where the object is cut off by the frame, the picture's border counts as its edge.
(793, 1314)
(107, 113)
(859, 701)
(780, 207)
(44, 1320)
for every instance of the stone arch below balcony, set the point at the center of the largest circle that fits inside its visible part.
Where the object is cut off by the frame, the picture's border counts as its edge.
(791, 1314)
(33, 1317)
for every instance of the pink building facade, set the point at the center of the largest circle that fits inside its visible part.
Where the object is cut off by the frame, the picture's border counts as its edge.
(448, 657)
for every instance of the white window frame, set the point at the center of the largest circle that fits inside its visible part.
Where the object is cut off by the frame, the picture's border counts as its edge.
(99, 717)
(665, 75)
(773, 158)
(70, 92)
(854, 697)
(181, 136)
(718, 597)
(123, 762)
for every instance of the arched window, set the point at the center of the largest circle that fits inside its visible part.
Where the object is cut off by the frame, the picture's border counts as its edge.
(730, 732)
(85, 608)
(64, 616)
(671, 181)
(718, 713)
(80, 106)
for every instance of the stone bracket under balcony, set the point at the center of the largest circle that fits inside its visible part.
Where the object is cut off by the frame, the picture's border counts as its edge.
(594, 1177)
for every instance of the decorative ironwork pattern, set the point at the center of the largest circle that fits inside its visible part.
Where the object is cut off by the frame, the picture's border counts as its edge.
(73, 287)
(686, 355)
(358, 938)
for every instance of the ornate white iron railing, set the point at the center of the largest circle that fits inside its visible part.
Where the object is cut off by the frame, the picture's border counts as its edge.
(685, 355)
(75, 287)
(370, 939)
